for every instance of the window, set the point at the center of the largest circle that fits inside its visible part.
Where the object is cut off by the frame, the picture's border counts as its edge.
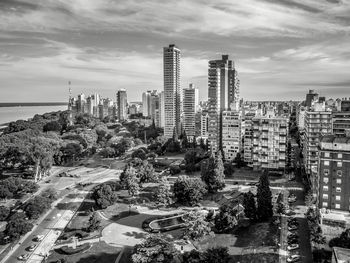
(325, 196)
(337, 206)
(338, 189)
(324, 204)
(326, 163)
(338, 181)
(337, 197)
(339, 164)
(325, 180)
(325, 171)
(339, 173)
(340, 156)
(326, 154)
(325, 188)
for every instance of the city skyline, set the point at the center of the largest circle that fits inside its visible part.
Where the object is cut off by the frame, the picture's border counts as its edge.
(280, 48)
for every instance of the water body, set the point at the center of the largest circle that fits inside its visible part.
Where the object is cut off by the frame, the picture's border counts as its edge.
(8, 114)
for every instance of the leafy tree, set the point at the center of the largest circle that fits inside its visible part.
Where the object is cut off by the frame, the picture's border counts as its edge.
(196, 227)
(5, 192)
(163, 193)
(94, 222)
(342, 241)
(280, 209)
(107, 152)
(104, 195)
(71, 151)
(50, 193)
(202, 144)
(139, 153)
(239, 161)
(36, 206)
(155, 248)
(130, 181)
(264, 198)
(4, 213)
(226, 219)
(17, 226)
(249, 206)
(217, 255)
(213, 173)
(54, 126)
(189, 190)
(184, 143)
(193, 256)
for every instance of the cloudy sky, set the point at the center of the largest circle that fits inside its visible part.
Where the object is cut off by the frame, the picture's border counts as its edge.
(281, 48)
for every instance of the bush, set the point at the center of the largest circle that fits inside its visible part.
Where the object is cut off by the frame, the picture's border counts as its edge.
(4, 213)
(74, 233)
(70, 251)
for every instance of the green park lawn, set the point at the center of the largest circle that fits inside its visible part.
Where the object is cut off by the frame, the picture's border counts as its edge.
(99, 252)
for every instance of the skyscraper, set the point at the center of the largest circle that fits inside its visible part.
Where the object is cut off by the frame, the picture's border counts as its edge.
(190, 106)
(223, 94)
(172, 91)
(121, 105)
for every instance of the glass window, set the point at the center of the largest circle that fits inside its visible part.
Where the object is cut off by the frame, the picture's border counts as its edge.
(339, 173)
(325, 196)
(338, 181)
(324, 204)
(337, 206)
(325, 188)
(325, 180)
(325, 171)
(337, 197)
(338, 189)
(339, 164)
(326, 163)
(326, 154)
(340, 156)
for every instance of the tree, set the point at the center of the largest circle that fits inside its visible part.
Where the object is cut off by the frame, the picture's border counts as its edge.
(202, 144)
(280, 209)
(145, 173)
(104, 195)
(196, 227)
(238, 160)
(94, 222)
(36, 206)
(17, 226)
(184, 143)
(129, 180)
(107, 152)
(264, 198)
(163, 194)
(50, 193)
(226, 219)
(342, 241)
(217, 255)
(54, 126)
(4, 213)
(139, 153)
(249, 206)
(212, 173)
(193, 256)
(155, 248)
(189, 190)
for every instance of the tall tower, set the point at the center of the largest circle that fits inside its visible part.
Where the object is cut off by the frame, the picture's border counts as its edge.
(70, 102)
(223, 95)
(121, 105)
(190, 107)
(172, 91)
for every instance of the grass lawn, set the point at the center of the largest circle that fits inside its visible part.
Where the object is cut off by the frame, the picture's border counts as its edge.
(256, 258)
(99, 252)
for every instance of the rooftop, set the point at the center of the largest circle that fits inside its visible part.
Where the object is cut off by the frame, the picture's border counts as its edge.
(342, 255)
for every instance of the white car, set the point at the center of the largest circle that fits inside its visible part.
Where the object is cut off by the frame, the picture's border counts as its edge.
(293, 258)
(38, 238)
(23, 257)
(293, 246)
(32, 247)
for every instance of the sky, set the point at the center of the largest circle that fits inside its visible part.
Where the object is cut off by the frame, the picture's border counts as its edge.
(281, 48)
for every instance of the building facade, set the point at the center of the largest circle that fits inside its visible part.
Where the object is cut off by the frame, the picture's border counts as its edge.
(122, 105)
(231, 134)
(248, 138)
(333, 182)
(190, 107)
(172, 90)
(270, 143)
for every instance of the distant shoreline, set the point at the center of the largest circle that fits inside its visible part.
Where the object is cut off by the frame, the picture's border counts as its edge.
(31, 104)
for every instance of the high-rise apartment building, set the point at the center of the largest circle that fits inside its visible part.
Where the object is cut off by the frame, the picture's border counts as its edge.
(248, 138)
(317, 124)
(333, 180)
(223, 94)
(161, 110)
(204, 124)
(146, 103)
(172, 91)
(270, 143)
(231, 134)
(310, 97)
(190, 107)
(121, 105)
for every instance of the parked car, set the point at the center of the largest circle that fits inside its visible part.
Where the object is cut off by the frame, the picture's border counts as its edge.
(293, 223)
(293, 258)
(293, 240)
(32, 247)
(292, 199)
(23, 257)
(38, 238)
(293, 247)
(292, 235)
(292, 219)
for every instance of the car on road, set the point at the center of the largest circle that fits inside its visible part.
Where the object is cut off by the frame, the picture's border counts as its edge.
(23, 257)
(293, 240)
(291, 235)
(32, 247)
(293, 247)
(39, 238)
(293, 258)
(293, 223)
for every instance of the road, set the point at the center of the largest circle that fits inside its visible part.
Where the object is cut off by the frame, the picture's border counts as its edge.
(55, 220)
